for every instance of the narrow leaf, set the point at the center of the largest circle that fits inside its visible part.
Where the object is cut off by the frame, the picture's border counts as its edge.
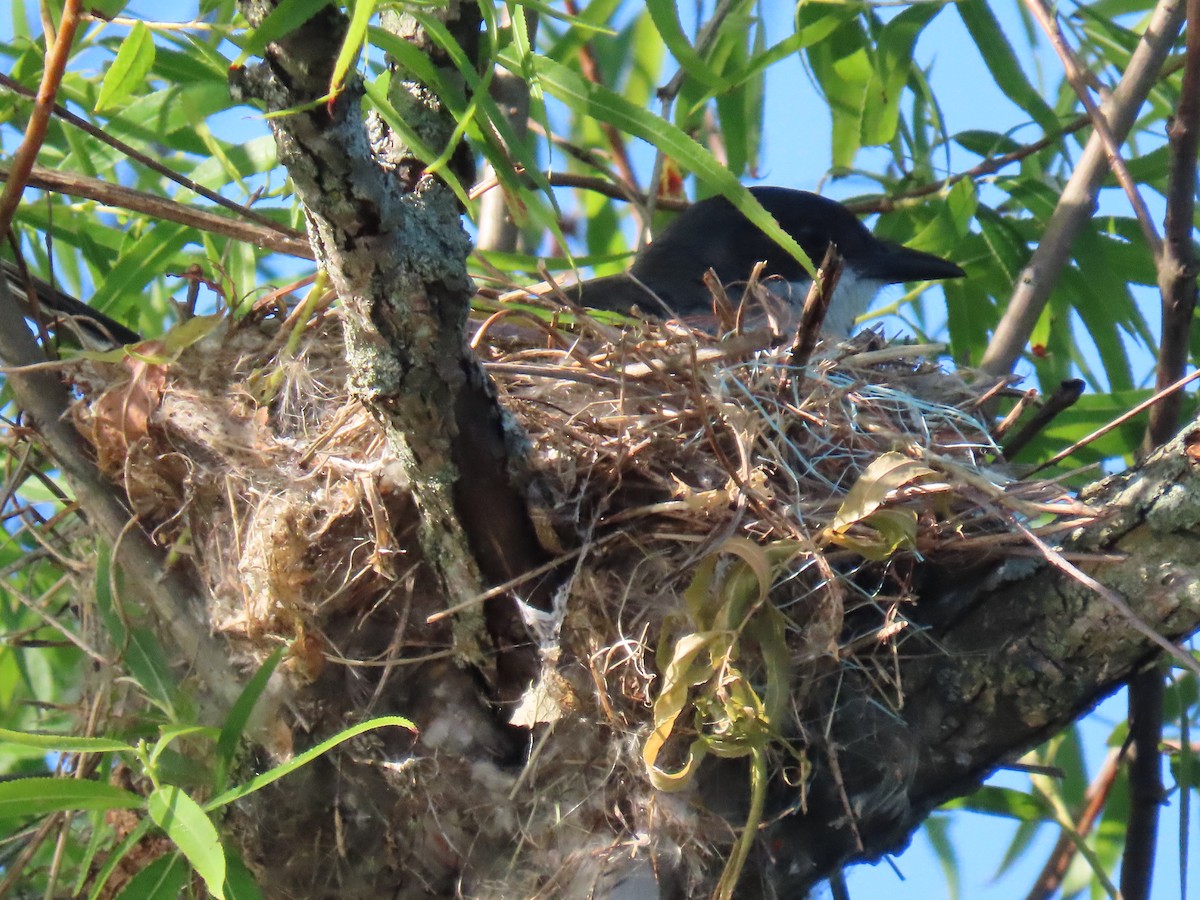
(189, 828)
(63, 743)
(356, 34)
(887, 473)
(128, 71)
(273, 775)
(164, 879)
(286, 17)
(665, 15)
(37, 796)
(235, 722)
(1002, 62)
(588, 98)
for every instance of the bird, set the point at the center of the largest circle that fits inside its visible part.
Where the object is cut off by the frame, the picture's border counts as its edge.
(37, 297)
(714, 234)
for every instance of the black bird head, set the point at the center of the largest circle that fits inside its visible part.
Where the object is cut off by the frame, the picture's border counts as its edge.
(714, 234)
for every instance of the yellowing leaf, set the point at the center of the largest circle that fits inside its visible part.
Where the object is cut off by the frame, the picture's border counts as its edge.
(886, 474)
(880, 534)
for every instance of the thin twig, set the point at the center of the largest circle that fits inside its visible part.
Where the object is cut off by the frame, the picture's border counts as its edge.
(1052, 874)
(277, 238)
(816, 305)
(1064, 397)
(1078, 78)
(1055, 558)
(1074, 209)
(1115, 423)
(148, 161)
(58, 52)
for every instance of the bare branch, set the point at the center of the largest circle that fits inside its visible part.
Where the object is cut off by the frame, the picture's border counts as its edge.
(1146, 695)
(279, 238)
(57, 53)
(1078, 79)
(1177, 266)
(1078, 199)
(148, 161)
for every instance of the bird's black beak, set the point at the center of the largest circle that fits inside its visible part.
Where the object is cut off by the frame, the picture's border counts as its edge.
(893, 263)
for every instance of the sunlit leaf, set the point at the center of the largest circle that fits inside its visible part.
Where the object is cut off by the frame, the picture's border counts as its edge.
(38, 796)
(128, 71)
(190, 829)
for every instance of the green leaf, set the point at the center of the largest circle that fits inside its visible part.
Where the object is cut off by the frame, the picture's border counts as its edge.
(235, 722)
(37, 796)
(740, 109)
(128, 71)
(665, 15)
(885, 474)
(937, 830)
(1011, 804)
(138, 645)
(239, 880)
(283, 19)
(139, 263)
(842, 67)
(189, 828)
(890, 72)
(356, 35)
(259, 782)
(164, 879)
(1002, 62)
(986, 143)
(63, 743)
(584, 96)
(115, 858)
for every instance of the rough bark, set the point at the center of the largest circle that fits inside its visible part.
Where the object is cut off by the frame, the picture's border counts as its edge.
(1007, 657)
(1010, 657)
(391, 238)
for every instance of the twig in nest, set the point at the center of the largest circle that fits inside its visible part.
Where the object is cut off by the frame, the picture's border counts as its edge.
(1115, 423)
(816, 305)
(1064, 397)
(1026, 400)
(728, 318)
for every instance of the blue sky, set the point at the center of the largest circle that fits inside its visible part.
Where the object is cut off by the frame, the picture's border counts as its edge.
(797, 154)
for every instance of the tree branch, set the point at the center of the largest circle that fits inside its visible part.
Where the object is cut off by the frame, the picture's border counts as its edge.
(390, 236)
(1078, 199)
(1177, 266)
(131, 152)
(58, 51)
(1005, 661)
(278, 237)
(1078, 79)
(1146, 694)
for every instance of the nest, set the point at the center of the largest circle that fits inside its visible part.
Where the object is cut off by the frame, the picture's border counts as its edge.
(740, 529)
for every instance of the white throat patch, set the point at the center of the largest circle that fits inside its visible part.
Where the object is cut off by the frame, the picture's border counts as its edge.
(850, 300)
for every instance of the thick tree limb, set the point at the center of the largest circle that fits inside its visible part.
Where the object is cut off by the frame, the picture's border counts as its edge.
(391, 239)
(1008, 664)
